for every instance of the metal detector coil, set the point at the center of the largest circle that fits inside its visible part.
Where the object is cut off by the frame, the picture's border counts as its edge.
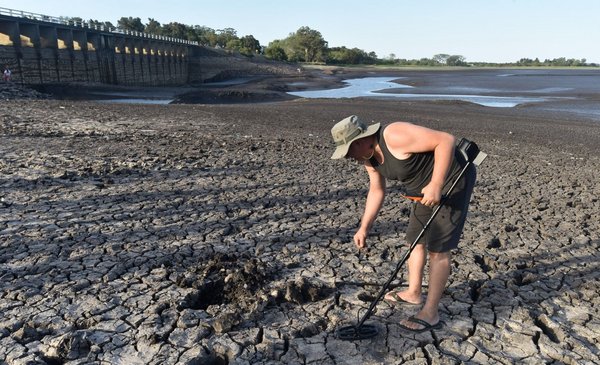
(361, 330)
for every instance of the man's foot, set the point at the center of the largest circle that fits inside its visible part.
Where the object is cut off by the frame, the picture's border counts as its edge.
(395, 297)
(418, 325)
(421, 325)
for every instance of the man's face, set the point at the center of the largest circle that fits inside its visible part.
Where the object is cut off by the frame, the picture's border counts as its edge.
(359, 150)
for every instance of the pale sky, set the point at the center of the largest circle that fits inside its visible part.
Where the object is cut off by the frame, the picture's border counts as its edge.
(479, 30)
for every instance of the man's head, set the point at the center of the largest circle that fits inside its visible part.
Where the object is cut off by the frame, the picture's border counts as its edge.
(347, 131)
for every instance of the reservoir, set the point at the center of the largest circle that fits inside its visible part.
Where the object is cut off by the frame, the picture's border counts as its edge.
(384, 87)
(574, 91)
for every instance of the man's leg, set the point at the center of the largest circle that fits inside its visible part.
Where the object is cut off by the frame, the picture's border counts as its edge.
(439, 271)
(416, 263)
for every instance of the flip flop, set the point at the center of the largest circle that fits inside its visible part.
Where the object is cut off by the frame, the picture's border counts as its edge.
(426, 326)
(397, 300)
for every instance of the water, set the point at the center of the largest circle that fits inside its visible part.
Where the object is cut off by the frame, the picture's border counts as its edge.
(150, 95)
(230, 82)
(158, 96)
(135, 101)
(568, 92)
(381, 86)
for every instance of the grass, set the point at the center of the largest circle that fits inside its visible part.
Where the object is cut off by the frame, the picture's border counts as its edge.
(312, 66)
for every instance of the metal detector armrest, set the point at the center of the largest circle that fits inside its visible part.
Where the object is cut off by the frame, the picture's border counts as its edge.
(471, 151)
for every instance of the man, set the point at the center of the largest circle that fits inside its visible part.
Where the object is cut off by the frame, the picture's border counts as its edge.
(427, 163)
(6, 74)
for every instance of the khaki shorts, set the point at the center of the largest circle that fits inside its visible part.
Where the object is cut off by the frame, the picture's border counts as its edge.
(444, 232)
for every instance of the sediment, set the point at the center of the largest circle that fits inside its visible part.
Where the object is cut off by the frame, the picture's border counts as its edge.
(222, 234)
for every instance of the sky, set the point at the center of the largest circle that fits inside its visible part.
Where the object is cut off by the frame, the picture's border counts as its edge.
(479, 30)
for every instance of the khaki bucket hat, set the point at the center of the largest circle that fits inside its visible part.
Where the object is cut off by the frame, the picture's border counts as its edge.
(347, 131)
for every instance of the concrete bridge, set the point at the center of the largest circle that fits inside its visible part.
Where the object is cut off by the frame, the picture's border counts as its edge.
(41, 49)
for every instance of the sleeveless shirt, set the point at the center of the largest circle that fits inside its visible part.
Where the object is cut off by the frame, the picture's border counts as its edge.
(415, 171)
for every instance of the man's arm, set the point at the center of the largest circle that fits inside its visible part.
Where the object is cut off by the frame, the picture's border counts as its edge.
(374, 202)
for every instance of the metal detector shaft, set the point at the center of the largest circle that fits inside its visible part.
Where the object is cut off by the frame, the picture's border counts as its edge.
(385, 286)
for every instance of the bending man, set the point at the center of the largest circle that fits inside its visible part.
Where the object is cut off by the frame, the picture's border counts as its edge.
(426, 162)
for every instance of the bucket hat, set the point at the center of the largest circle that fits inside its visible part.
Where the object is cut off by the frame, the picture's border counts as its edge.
(347, 131)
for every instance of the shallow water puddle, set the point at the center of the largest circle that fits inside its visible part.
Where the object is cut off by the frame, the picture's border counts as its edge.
(136, 101)
(373, 87)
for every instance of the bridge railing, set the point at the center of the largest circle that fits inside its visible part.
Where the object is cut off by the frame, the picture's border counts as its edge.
(83, 24)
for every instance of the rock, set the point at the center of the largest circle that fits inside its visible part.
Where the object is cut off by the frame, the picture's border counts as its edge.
(196, 355)
(225, 348)
(70, 346)
(225, 321)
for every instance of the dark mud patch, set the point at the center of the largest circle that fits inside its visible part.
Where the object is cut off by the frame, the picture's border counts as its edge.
(225, 279)
(257, 90)
(305, 290)
(366, 297)
(231, 96)
(228, 279)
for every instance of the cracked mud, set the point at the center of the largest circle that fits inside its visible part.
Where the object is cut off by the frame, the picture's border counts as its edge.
(215, 234)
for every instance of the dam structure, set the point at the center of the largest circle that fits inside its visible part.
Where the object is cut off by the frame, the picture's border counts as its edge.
(41, 49)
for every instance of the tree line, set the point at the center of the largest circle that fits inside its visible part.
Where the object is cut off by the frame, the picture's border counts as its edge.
(306, 45)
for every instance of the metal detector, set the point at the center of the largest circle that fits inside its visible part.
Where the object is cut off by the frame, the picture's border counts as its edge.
(363, 330)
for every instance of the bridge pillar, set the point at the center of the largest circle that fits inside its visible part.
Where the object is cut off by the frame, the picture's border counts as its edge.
(65, 54)
(30, 60)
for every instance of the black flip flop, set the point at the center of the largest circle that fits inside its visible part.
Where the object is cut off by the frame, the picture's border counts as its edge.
(397, 300)
(426, 326)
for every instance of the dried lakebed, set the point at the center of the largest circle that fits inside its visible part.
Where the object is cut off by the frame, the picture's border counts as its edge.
(222, 235)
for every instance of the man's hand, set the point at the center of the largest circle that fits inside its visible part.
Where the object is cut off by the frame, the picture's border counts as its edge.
(360, 239)
(432, 194)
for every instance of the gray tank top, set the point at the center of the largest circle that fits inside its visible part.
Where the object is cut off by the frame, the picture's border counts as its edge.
(414, 172)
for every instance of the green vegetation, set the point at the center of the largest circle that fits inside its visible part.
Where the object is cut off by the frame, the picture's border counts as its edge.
(308, 45)
(554, 62)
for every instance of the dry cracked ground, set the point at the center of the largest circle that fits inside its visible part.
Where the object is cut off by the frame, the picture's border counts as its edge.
(182, 234)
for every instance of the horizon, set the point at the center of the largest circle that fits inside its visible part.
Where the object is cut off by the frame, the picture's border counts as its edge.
(499, 31)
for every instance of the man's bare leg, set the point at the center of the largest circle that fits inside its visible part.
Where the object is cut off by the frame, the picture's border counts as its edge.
(439, 271)
(416, 263)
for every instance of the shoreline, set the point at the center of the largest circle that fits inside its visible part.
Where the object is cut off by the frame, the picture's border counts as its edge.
(550, 102)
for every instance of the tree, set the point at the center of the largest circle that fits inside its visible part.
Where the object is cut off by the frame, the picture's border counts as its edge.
(249, 45)
(75, 21)
(98, 24)
(129, 23)
(153, 27)
(275, 51)
(425, 62)
(456, 60)
(175, 30)
(441, 58)
(308, 45)
(225, 36)
(338, 55)
(205, 36)
(234, 45)
(354, 56)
